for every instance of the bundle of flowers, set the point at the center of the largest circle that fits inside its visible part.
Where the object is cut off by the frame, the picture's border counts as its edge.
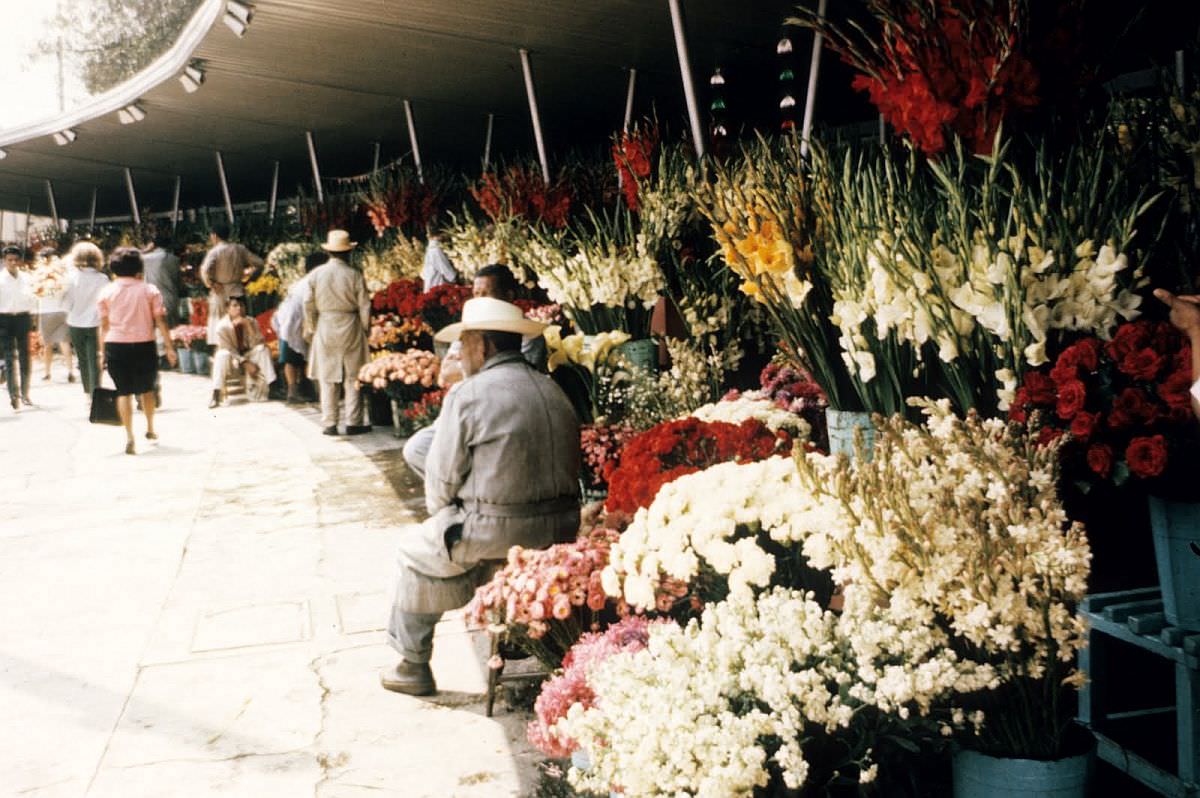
(189, 336)
(750, 406)
(955, 526)
(49, 279)
(419, 414)
(404, 375)
(763, 695)
(1125, 404)
(267, 284)
(570, 687)
(287, 261)
(545, 599)
(402, 297)
(520, 191)
(402, 259)
(545, 314)
(395, 198)
(264, 326)
(471, 246)
(390, 331)
(601, 446)
(443, 304)
(632, 152)
(199, 310)
(590, 361)
(669, 450)
(791, 388)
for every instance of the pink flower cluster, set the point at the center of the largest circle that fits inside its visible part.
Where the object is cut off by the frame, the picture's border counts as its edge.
(571, 687)
(601, 446)
(541, 585)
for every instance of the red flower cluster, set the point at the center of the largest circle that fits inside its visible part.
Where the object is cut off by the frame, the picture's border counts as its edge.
(520, 191)
(1120, 401)
(633, 153)
(199, 311)
(669, 450)
(953, 65)
(402, 297)
(264, 325)
(443, 304)
(401, 203)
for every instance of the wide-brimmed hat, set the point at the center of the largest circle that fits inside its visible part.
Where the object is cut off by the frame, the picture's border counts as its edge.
(485, 313)
(338, 241)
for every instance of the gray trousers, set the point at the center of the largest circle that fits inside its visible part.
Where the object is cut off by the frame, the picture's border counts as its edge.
(331, 405)
(416, 449)
(411, 634)
(85, 341)
(14, 346)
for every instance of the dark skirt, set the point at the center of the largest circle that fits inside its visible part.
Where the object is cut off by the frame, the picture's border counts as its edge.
(289, 356)
(133, 367)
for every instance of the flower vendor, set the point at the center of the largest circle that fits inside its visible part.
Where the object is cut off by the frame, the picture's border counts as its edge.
(240, 347)
(1185, 314)
(162, 272)
(288, 323)
(493, 281)
(502, 471)
(437, 268)
(223, 271)
(337, 311)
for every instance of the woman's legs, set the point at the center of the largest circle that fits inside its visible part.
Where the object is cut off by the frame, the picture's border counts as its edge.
(85, 342)
(148, 408)
(125, 411)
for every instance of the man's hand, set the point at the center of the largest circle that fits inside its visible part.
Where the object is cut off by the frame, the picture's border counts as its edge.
(451, 371)
(251, 370)
(1185, 311)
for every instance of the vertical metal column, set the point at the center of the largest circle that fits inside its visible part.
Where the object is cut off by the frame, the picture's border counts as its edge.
(534, 115)
(1180, 77)
(274, 191)
(412, 140)
(92, 215)
(685, 71)
(375, 161)
(28, 207)
(814, 71)
(137, 216)
(175, 204)
(629, 99)
(53, 205)
(487, 143)
(224, 187)
(312, 158)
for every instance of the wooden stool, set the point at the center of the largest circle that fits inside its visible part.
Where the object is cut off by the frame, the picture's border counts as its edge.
(496, 676)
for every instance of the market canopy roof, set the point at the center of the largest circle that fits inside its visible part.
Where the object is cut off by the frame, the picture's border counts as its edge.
(343, 69)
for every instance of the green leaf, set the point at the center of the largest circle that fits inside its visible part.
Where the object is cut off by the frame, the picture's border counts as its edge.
(1120, 473)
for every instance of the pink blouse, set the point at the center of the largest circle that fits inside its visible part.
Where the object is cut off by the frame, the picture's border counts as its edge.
(131, 306)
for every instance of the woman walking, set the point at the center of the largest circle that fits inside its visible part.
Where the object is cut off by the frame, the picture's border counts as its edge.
(130, 309)
(83, 315)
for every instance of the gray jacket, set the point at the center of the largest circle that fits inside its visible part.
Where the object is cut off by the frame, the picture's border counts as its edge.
(162, 272)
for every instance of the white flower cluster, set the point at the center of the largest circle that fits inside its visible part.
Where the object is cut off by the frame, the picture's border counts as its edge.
(471, 247)
(403, 259)
(287, 261)
(710, 517)
(749, 406)
(694, 713)
(601, 274)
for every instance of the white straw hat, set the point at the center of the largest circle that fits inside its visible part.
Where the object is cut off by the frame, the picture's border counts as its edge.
(338, 241)
(485, 313)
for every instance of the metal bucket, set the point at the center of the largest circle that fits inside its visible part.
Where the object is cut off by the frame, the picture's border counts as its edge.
(978, 775)
(841, 425)
(1176, 527)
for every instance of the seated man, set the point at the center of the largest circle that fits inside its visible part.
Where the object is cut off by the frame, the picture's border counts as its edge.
(240, 347)
(495, 281)
(503, 471)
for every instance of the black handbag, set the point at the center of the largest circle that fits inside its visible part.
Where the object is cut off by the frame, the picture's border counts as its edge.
(104, 407)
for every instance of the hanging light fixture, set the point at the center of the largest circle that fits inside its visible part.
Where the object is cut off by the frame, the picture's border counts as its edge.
(237, 16)
(3, 154)
(784, 47)
(717, 78)
(65, 137)
(130, 114)
(192, 77)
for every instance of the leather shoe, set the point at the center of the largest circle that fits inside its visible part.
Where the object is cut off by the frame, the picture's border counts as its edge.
(409, 678)
(329, 431)
(358, 430)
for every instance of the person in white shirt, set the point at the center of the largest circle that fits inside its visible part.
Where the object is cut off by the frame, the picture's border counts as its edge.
(437, 269)
(52, 324)
(288, 323)
(16, 309)
(1185, 314)
(83, 315)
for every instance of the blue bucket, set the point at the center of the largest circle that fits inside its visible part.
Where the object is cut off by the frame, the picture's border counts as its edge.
(641, 354)
(186, 364)
(978, 775)
(841, 425)
(1176, 527)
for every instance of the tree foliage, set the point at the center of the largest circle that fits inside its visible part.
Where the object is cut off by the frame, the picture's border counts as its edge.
(109, 41)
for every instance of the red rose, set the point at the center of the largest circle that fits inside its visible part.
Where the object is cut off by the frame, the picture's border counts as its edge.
(1088, 354)
(1129, 338)
(1147, 456)
(1144, 364)
(1048, 435)
(1176, 390)
(1072, 396)
(1132, 406)
(1084, 424)
(1040, 388)
(1100, 459)
(1065, 370)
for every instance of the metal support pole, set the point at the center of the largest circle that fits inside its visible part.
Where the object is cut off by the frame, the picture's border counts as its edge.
(487, 143)
(53, 205)
(175, 203)
(882, 130)
(275, 190)
(137, 216)
(28, 207)
(814, 71)
(375, 162)
(312, 158)
(224, 187)
(629, 99)
(685, 71)
(412, 140)
(1180, 78)
(527, 68)
(92, 215)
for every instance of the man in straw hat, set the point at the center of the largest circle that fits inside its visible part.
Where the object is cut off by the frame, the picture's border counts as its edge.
(503, 471)
(337, 314)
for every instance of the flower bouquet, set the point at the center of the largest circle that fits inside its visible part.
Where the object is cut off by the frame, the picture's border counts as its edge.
(1126, 407)
(419, 414)
(287, 261)
(190, 336)
(443, 304)
(49, 279)
(383, 262)
(593, 363)
(392, 332)
(520, 192)
(402, 297)
(601, 446)
(404, 376)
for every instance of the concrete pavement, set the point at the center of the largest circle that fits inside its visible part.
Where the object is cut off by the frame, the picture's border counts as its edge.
(205, 618)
